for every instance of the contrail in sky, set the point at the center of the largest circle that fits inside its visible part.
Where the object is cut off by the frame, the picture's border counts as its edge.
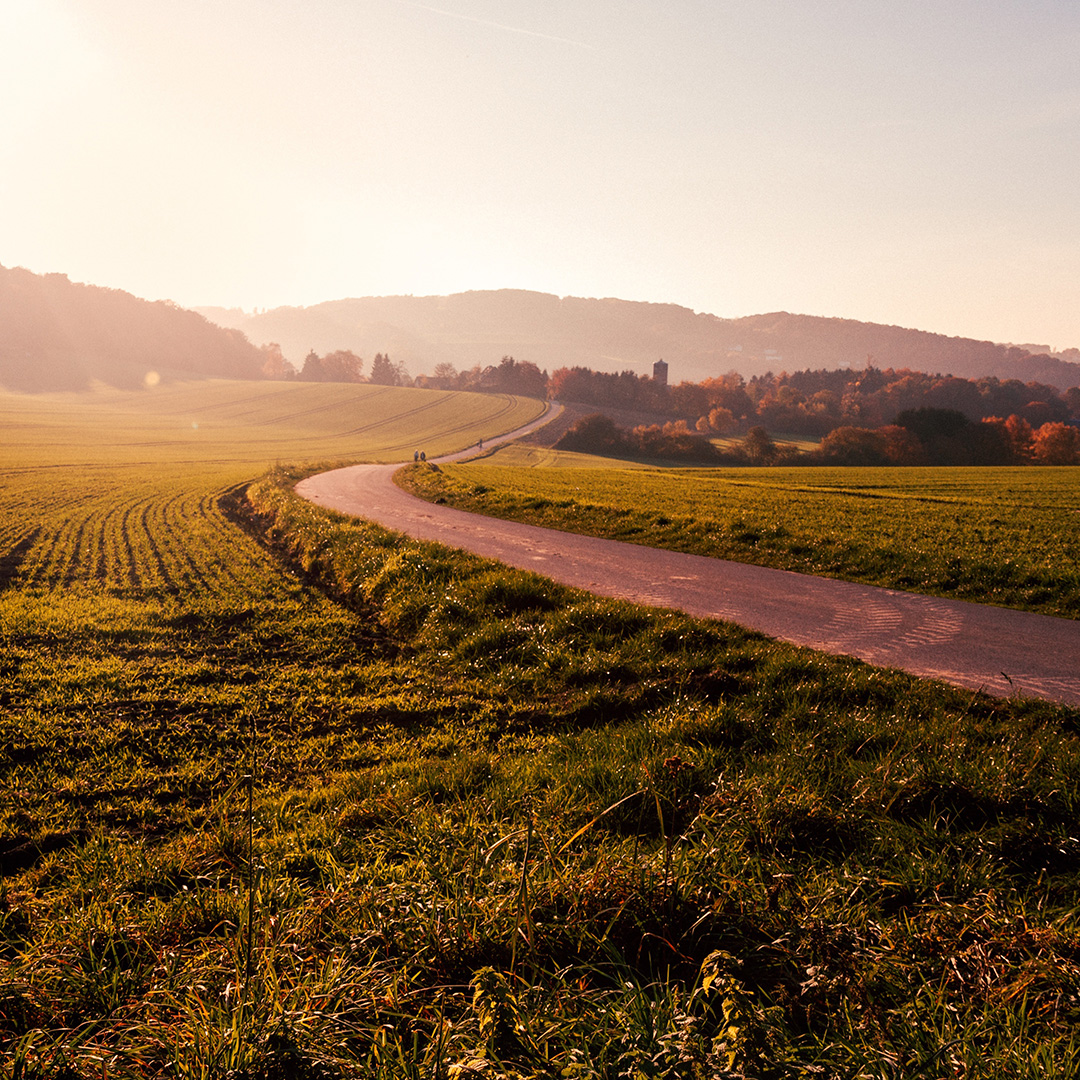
(497, 25)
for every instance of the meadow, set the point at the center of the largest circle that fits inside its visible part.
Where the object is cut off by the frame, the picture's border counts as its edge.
(1004, 536)
(289, 796)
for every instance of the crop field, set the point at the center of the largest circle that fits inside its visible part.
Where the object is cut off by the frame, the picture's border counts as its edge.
(119, 491)
(285, 795)
(114, 532)
(1008, 536)
(222, 422)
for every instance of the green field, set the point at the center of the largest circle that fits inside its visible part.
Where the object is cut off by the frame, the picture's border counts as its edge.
(249, 424)
(117, 534)
(1005, 536)
(288, 796)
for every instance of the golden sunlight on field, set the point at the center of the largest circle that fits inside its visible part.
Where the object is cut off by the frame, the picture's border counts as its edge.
(248, 423)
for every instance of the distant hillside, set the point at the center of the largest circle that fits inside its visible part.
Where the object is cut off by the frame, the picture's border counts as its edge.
(472, 328)
(59, 335)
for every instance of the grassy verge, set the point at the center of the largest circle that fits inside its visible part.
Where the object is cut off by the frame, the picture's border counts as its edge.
(374, 808)
(1000, 536)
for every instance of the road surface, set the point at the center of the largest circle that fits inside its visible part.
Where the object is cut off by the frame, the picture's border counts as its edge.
(997, 650)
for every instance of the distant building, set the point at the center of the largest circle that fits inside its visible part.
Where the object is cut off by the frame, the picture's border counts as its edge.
(659, 372)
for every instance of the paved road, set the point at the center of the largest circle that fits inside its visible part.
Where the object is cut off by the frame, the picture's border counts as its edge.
(985, 648)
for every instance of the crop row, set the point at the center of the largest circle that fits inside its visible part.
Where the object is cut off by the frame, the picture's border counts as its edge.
(142, 529)
(131, 533)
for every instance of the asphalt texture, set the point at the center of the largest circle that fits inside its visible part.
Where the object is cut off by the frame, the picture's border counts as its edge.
(996, 650)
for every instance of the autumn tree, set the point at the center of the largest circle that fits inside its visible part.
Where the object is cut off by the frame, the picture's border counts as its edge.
(721, 420)
(989, 444)
(759, 446)
(1056, 444)
(729, 392)
(1020, 437)
(943, 432)
(687, 399)
(901, 446)
(854, 446)
(593, 434)
(672, 440)
(341, 366)
(444, 377)
(515, 377)
(624, 390)
(275, 366)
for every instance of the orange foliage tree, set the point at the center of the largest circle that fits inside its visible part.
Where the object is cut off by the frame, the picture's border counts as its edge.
(1056, 444)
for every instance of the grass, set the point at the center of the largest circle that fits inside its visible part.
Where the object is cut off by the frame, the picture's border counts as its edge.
(1002, 536)
(496, 827)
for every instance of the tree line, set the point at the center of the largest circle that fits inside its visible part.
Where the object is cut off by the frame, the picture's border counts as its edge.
(867, 416)
(341, 365)
(813, 403)
(925, 436)
(509, 376)
(807, 403)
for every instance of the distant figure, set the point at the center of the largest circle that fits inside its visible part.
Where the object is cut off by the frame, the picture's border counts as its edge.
(481, 444)
(416, 455)
(423, 456)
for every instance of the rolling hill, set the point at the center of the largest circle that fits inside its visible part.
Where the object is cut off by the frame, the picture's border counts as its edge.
(56, 334)
(471, 328)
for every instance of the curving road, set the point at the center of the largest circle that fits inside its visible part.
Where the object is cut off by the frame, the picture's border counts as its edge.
(997, 650)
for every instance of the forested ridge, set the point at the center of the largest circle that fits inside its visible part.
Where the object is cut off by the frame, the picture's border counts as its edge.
(56, 334)
(612, 335)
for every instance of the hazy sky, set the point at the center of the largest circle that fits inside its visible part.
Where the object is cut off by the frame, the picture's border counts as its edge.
(916, 162)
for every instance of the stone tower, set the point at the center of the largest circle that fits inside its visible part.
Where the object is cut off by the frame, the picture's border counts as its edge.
(659, 372)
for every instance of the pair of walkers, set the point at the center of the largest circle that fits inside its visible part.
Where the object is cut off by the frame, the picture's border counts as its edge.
(420, 455)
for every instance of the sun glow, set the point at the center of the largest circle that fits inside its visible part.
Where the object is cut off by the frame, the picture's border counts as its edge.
(735, 159)
(44, 60)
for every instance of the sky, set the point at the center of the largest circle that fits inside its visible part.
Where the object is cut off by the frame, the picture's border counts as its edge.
(915, 163)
